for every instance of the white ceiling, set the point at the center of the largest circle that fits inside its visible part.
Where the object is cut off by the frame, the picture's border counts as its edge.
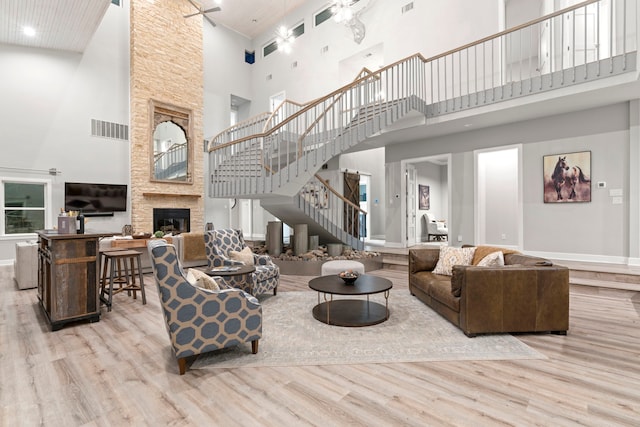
(70, 24)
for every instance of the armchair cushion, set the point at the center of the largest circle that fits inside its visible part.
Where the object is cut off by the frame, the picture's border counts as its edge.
(245, 256)
(450, 256)
(202, 279)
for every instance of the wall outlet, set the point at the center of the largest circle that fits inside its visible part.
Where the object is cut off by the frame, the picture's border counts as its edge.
(503, 236)
(459, 237)
(602, 184)
(615, 192)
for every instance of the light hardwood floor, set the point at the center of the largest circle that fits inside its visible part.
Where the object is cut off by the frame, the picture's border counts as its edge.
(120, 371)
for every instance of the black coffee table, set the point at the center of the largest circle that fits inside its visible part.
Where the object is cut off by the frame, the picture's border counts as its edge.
(351, 312)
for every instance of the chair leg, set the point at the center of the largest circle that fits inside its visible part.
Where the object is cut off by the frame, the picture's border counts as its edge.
(275, 291)
(182, 365)
(254, 347)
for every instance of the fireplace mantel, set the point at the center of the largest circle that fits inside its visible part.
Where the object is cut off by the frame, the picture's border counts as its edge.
(170, 195)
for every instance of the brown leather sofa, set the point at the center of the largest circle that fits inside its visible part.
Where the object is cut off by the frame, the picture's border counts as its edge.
(528, 294)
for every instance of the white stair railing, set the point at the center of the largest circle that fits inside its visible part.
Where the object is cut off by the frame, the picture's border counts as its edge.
(328, 208)
(589, 40)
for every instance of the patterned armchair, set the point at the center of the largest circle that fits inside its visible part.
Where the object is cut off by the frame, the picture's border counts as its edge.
(218, 244)
(199, 320)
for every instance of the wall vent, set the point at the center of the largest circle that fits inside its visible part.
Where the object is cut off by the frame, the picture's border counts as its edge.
(407, 7)
(294, 64)
(324, 49)
(109, 130)
(269, 76)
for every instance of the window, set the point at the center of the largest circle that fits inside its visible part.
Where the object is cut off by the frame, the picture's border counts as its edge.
(270, 48)
(116, 2)
(298, 31)
(25, 206)
(322, 16)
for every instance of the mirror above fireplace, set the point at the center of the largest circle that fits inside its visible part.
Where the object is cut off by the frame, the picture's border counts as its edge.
(171, 143)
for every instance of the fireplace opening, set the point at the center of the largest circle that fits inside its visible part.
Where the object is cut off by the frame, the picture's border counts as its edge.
(171, 220)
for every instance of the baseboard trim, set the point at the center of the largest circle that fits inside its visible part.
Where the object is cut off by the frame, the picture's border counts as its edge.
(563, 256)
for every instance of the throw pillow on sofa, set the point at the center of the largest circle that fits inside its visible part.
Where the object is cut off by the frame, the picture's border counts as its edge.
(494, 259)
(482, 251)
(450, 256)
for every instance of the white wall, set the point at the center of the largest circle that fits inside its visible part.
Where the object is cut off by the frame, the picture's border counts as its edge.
(591, 231)
(48, 100)
(422, 29)
(225, 74)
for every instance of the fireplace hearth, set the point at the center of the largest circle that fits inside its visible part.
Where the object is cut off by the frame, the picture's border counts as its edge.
(171, 220)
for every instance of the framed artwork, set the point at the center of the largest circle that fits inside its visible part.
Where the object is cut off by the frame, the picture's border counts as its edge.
(567, 177)
(423, 197)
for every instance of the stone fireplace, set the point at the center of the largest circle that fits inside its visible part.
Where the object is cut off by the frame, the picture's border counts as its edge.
(151, 56)
(172, 220)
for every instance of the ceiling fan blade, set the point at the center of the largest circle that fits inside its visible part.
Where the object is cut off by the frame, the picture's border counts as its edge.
(209, 19)
(191, 14)
(213, 9)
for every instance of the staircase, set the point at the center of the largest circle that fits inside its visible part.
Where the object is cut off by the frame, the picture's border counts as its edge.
(275, 156)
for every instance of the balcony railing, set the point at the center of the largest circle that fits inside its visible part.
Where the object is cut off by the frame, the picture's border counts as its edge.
(586, 41)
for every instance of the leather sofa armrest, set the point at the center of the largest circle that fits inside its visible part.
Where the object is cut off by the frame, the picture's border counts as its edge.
(423, 259)
(513, 299)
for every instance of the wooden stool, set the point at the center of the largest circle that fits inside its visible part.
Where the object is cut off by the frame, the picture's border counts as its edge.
(105, 266)
(126, 278)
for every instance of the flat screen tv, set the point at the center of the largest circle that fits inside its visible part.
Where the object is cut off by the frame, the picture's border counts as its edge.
(95, 199)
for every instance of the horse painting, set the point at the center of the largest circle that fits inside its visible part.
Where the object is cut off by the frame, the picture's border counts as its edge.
(567, 176)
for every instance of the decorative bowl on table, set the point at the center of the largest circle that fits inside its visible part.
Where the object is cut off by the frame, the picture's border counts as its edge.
(348, 276)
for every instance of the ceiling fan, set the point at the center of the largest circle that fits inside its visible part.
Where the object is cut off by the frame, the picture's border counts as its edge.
(202, 11)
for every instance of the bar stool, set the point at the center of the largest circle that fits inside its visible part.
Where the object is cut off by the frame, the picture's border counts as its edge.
(122, 270)
(105, 266)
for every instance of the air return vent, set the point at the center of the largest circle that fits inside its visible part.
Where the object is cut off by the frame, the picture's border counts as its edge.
(109, 130)
(407, 7)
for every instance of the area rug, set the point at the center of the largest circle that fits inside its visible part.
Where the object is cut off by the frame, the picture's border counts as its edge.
(413, 333)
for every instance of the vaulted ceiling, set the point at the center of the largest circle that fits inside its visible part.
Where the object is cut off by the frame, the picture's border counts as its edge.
(69, 24)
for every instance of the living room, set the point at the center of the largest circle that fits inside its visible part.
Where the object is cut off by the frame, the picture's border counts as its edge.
(52, 96)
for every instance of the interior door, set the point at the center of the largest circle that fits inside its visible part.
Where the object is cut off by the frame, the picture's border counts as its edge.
(411, 174)
(351, 192)
(580, 44)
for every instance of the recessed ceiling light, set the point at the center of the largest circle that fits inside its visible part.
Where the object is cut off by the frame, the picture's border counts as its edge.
(29, 31)
(468, 125)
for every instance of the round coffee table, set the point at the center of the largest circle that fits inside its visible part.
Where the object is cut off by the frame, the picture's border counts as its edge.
(234, 276)
(351, 312)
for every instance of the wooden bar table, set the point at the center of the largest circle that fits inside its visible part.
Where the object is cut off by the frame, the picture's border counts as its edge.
(68, 275)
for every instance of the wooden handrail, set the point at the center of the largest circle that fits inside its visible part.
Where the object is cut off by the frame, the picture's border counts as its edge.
(357, 81)
(334, 191)
(274, 112)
